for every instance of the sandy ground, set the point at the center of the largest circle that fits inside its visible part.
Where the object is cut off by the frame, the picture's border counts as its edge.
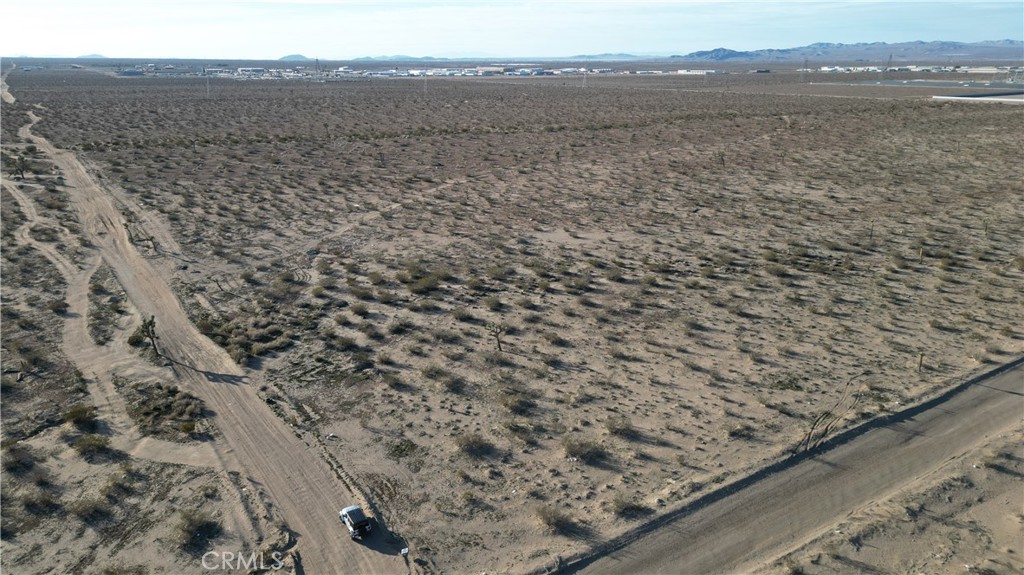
(680, 280)
(967, 517)
(761, 521)
(254, 441)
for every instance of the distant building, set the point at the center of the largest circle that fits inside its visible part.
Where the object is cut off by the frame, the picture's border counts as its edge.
(697, 72)
(492, 70)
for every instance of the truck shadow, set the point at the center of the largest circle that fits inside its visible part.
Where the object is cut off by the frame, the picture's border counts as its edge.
(382, 540)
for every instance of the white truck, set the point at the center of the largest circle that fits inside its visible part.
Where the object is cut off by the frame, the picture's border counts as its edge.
(357, 522)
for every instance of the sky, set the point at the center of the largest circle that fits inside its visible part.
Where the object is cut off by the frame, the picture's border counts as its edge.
(337, 30)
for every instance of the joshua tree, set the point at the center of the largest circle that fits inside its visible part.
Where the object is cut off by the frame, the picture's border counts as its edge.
(149, 332)
(20, 165)
(496, 330)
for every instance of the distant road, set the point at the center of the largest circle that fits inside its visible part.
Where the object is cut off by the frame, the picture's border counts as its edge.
(777, 514)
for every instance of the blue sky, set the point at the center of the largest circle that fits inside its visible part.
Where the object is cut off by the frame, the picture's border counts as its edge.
(333, 30)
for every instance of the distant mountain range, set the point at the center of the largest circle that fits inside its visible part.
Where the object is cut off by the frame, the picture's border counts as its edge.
(400, 58)
(873, 51)
(821, 51)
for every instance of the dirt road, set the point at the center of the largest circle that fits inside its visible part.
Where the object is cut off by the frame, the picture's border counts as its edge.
(779, 513)
(301, 486)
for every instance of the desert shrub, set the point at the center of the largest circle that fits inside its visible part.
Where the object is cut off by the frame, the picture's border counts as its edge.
(463, 314)
(554, 519)
(403, 448)
(585, 450)
(497, 359)
(624, 506)
(82, 416)
(614, 274)
(556, 339)
(360, 309)
(447, 336)
(434, 371)
(137, 338)
(344, 343)
(519, 404)
(533, 318)
(453, 384)
(91, 444)
(163, 410)
(474, 445)
(500, 272)
(117, 487)
(195, 529)
(58, 306)
(91, 510)
(18, 458)
(393, 381)
(527, 303)
(362, 361)
(401, 326)
(40, 502)
(620, 426)
(424, 285)
(387, 297)
(371, 331)
(577, 285)
(742, 431)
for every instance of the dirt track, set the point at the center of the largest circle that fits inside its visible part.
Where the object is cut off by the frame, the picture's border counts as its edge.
(303, 489)
(738, 533)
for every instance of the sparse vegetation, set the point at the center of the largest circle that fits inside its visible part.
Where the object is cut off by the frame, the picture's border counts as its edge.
(195, 530)
(526, 291)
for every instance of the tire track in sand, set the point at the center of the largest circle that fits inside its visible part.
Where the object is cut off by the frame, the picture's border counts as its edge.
(304, 490)
(101, 362)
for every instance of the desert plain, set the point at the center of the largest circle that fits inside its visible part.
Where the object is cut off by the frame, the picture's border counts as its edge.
(513, 318)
